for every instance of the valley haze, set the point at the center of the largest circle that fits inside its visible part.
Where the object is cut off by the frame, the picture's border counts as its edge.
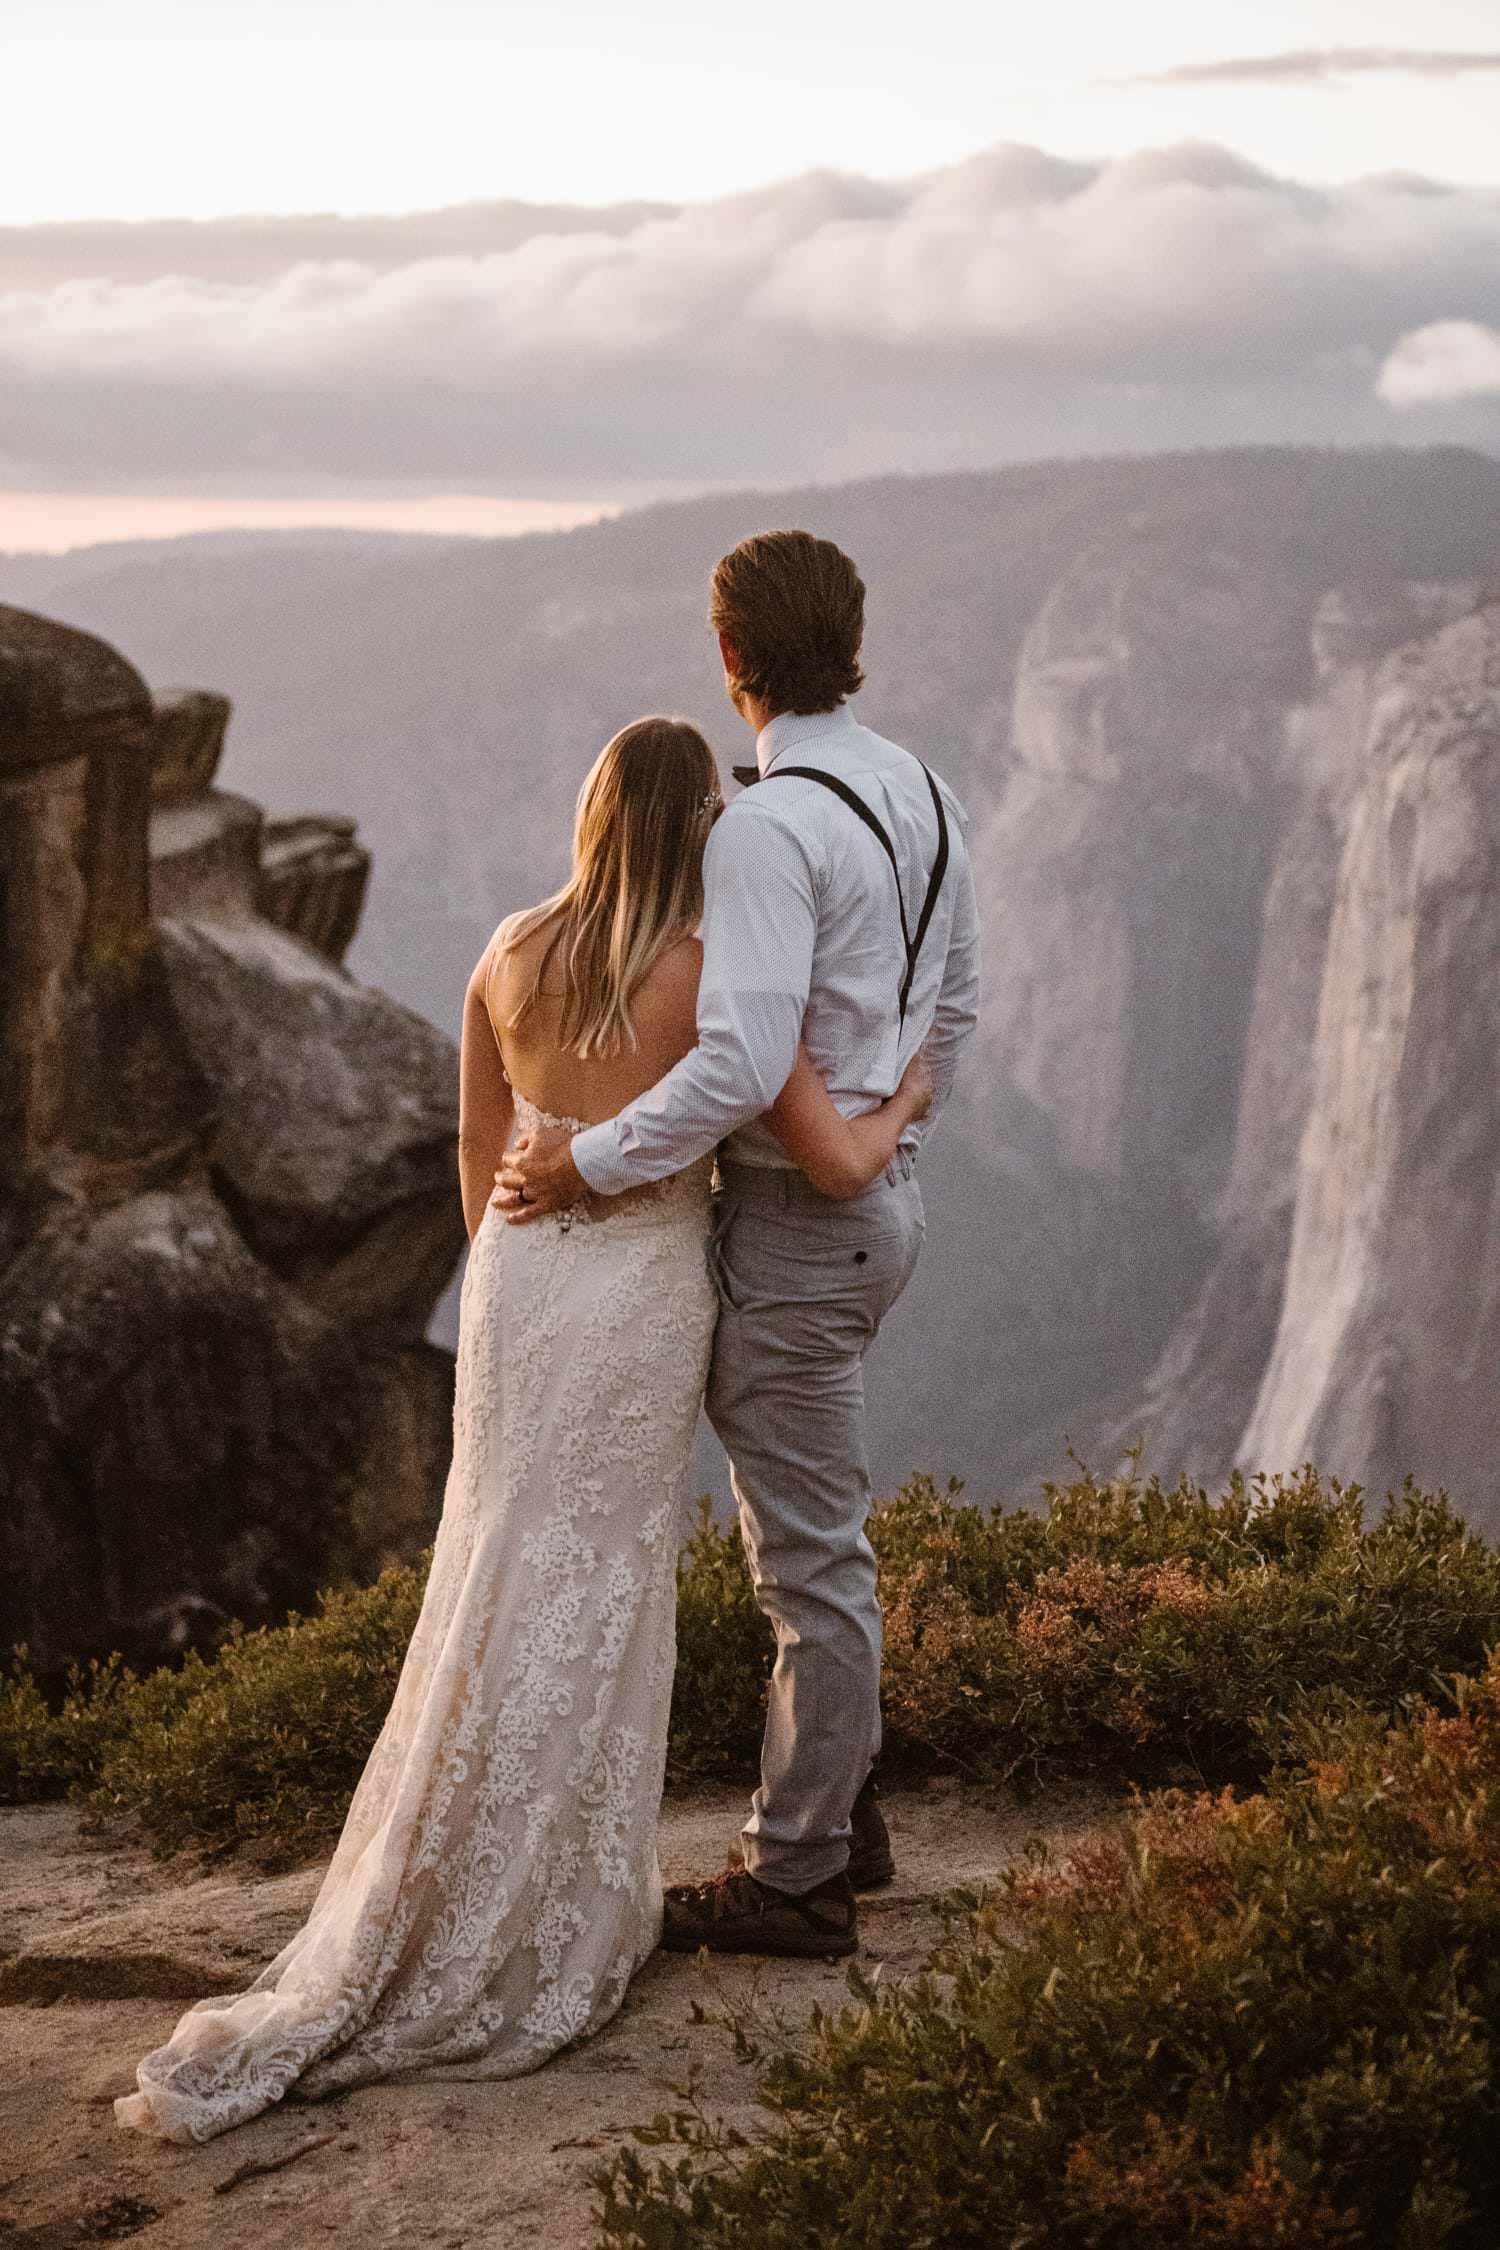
(1184, 697)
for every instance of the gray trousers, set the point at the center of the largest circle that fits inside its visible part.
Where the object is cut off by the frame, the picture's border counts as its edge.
(804, 1282)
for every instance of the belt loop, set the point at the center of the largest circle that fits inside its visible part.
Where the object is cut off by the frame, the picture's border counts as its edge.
(784, 1188)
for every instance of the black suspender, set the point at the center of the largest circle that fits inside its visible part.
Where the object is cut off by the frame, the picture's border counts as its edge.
(861, 810)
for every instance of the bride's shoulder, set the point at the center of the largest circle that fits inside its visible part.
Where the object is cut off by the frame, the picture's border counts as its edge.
(522, 935)
(509, 931)
(512, 951)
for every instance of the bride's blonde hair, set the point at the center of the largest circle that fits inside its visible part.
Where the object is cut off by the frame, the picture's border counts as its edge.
(636, 889)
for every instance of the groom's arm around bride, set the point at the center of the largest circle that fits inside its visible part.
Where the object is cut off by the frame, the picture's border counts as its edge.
(839, 912)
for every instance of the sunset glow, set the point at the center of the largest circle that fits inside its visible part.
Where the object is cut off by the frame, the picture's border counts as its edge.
(50, 522)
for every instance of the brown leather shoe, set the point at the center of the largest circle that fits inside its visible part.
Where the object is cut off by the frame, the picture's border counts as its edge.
(737, 1913)
(871, 1860)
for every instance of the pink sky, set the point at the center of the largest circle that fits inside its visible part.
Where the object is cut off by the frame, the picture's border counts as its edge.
(53, 521)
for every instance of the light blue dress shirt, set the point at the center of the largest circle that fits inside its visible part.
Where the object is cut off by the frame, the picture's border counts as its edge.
(802, 939)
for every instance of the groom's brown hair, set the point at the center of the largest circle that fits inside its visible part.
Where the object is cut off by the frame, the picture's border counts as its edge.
(793, 608)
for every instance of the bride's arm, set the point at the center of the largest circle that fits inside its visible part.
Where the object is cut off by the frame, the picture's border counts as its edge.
(841, 1155)
(486, 1106)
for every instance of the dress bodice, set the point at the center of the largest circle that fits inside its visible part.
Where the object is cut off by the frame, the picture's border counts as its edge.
(681, 1195)
(528, 1116)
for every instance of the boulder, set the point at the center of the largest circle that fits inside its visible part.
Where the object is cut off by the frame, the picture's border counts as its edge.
(313, 879)
(228, 1194)
(187, 740)
(332, 1138)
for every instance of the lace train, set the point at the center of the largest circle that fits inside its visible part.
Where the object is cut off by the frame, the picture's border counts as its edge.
(496, 1882)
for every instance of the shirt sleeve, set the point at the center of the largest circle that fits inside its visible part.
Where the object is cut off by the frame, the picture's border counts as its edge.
(760, 917)
(957, 1009)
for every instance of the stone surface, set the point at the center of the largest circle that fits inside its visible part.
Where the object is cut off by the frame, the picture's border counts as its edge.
(101, 1950)
(228, 1195)
(187, 740)
(1389, 1335)
(313, 879)
(94, 1083)
(333, 1121)
(1348, 1303)
(206, 856)
(1122, 876)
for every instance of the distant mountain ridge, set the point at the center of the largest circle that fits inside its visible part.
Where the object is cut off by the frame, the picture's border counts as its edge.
(1138, 672)
(33, 577)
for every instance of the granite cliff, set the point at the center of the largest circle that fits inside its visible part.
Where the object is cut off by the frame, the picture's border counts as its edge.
(1165, 688)
(1247, 1004)
(227, 1194)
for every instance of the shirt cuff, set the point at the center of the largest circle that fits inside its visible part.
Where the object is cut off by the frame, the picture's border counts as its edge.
(596, 1152)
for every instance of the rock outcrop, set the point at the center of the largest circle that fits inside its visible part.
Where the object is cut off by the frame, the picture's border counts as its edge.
(227, 1188)
(1311, 1335)
(1122, 879)
(102, 1948)
(1195, 1069)
(1388, 1339)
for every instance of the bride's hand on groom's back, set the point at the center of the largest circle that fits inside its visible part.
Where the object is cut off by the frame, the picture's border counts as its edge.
(917, 1086)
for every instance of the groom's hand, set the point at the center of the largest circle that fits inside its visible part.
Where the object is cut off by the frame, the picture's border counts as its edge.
(537, 1176)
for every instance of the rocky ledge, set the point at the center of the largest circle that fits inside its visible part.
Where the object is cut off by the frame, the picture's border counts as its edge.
(228, 1193)
(101, 1950)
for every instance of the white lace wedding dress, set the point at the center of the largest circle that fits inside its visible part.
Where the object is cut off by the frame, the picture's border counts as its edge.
(496, 1882)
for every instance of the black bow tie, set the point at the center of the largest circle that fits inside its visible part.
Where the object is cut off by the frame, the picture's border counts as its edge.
(746, 776)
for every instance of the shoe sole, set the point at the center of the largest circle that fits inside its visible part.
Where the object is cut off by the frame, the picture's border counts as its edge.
(817, 1949)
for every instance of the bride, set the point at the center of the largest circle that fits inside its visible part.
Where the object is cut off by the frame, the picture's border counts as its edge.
(496, 1883)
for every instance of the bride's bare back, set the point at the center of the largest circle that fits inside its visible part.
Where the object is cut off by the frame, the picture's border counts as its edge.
(664, 1009)
(501, 1060)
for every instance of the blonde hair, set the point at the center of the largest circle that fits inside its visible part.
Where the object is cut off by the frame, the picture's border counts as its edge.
(636, 889)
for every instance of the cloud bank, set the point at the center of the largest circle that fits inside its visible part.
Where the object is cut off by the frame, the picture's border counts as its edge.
(1312, 66)
(826, 326)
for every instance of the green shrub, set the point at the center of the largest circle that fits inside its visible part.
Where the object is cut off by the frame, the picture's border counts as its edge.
(1130, 1631)
(262, 1742)
(724, 1653)
(46, 1752)
(1238, 2024)
(270, 1736)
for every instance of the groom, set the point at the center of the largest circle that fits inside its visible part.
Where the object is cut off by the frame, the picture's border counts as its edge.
(839, 909)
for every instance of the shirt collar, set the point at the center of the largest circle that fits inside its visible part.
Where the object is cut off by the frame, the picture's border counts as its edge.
(789, 729)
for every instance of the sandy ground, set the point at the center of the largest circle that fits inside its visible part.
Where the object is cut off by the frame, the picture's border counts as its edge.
(101, 1948)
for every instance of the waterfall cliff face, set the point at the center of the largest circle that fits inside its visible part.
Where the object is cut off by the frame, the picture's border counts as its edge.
(1124, 875)
(1388, 1339)
(1240, 880)
(227, 1186)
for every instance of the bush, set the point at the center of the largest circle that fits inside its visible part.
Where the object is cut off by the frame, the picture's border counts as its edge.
(1237, 2024)
(262, 1742)
(1130, 1630)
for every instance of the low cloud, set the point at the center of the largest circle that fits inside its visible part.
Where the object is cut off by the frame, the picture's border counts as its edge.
(1315, 66)
(1446, 360)
(826, 326)
(257, 247)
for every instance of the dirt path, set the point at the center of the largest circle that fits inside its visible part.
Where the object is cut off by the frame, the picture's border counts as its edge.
(101, 1949)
